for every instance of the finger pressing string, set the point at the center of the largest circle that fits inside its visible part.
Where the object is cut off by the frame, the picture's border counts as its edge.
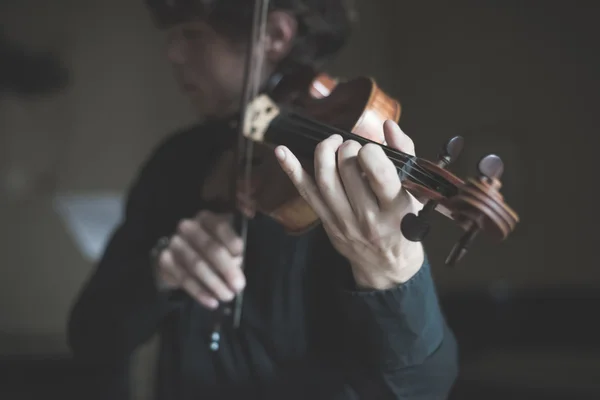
(397, 139)
(329, 183)
(381, 174)
(304, 183)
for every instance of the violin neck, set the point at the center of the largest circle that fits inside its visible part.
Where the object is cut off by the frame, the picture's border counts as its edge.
(301, 135)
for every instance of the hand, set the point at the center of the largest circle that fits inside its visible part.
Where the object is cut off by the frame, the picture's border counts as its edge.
(204, 258)
(360, 200)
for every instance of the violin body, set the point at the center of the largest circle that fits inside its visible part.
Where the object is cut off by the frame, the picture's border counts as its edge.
(356, 109)
(301, 109)
(359, 106)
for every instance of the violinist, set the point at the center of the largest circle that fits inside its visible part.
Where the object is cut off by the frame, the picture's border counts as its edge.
(346, 310)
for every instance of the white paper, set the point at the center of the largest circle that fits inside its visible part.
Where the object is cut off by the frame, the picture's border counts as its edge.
(90, 219)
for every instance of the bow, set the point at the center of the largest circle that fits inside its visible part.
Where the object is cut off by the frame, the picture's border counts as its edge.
(242, 170)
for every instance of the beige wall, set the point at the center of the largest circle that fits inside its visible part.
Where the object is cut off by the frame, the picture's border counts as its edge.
(120, 103)
(475, 71)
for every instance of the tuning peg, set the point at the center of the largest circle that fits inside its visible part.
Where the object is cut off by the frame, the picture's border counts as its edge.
(451, 151)
(416, 227)
(490, 169)
(461, 248)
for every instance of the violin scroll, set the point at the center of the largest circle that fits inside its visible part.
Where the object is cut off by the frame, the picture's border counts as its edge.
(479, 206)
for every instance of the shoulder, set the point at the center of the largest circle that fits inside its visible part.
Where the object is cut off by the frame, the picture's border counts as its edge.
(175, 145)
(169, 158)
(182, 156)
(190, 146)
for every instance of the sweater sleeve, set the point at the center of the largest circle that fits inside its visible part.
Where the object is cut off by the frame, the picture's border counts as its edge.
(120, 306)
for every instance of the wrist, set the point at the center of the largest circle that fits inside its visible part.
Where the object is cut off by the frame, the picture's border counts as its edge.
(379, 277)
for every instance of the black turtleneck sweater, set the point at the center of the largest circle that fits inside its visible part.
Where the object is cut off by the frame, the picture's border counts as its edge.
(306, 332)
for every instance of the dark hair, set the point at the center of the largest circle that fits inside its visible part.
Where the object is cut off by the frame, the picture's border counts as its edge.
(324, 25)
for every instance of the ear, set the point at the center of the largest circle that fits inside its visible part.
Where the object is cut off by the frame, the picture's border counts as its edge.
(281, 33)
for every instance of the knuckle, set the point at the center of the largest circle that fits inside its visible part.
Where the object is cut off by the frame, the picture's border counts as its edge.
(321, 147)
(224, 293)
(370, 149)
(371, 234)
(340, 236)
(185, 227)
(205, 216)
(347, 231)
(169, 279)
(202, 214)
(383, 174)
(231, 274)
(164, 260)
(352, 146)
(213, 248)
(222, 228)
(192, 289)
(304, 193)
(236, 246)
(200, 270)
(369, 226)
(322, 182)
(221, 254)
(344, 226)
(176, 242)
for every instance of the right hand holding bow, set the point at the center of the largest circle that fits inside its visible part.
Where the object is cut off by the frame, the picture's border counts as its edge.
(204, 258)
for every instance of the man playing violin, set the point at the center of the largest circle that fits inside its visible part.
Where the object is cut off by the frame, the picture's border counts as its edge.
(347, 310)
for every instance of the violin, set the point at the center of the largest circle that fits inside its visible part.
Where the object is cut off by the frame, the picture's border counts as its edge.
(356, 110)
(303, 108)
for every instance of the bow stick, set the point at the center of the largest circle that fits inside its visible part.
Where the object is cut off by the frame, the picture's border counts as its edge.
(242, 170)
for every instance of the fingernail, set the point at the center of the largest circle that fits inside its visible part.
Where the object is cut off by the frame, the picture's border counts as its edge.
(213, 303)
(239, 283)
(280, 153)
(228, 296)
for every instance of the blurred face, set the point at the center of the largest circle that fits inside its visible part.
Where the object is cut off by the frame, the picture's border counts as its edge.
(208, 67)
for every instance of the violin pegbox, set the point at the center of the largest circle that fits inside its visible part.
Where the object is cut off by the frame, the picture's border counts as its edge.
(416, 227)
(479, 207)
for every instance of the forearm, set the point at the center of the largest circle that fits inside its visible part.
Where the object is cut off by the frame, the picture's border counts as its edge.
(347, 379)
(401, 334)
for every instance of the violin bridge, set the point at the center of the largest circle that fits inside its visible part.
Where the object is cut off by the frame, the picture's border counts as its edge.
(259, 114)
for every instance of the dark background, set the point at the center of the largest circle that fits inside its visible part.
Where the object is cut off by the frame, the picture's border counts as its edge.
(86, 93)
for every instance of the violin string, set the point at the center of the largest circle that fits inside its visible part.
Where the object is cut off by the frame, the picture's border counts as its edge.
(401, 158)
(305, 123)
(301, 131)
